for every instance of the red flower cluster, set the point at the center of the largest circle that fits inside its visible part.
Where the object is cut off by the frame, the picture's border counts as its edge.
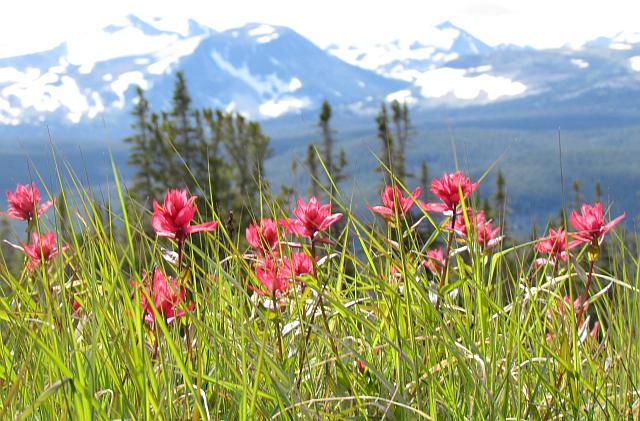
(394, 203)
(167, 297)
(23, 203)
(264, 237)
(275, 272)
(173, 218)
(451, 189)
(590, 228)
(311, 218)
(42, 249)
(434, 261)
(480, 229)
(590, 224)
(555, 245)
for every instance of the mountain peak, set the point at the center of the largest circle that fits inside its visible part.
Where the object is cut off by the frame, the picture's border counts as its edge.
(260, 32)
(195, 29)
(135, 22)
(446, 25)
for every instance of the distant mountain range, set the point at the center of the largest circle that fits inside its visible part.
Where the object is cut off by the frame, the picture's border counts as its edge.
(268, 71)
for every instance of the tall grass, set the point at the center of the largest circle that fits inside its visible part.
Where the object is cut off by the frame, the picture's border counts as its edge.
(495, 342)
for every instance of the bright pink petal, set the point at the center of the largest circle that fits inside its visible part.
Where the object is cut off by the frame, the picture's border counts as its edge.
(382, 210)
(207, 226)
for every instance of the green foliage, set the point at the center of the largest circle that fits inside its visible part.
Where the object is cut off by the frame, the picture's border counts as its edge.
(333, 166)
(212, 153)
(387, 152)
(495, 342)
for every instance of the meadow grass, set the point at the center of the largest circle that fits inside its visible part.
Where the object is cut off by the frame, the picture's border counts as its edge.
(370, 336)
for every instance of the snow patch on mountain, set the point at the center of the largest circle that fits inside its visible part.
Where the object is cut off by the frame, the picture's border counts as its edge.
(262, 29)
(276, 108)
(120, 86)
(172, 53)
(264, 33)
(627, 37)
(44, 93)
(622, 46)
(126, 42)
(438, 83)
(268, 86)
(373, 57)
(402, 96)
(580, 63)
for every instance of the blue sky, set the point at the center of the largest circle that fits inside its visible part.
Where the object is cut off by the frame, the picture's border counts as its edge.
(36, 25)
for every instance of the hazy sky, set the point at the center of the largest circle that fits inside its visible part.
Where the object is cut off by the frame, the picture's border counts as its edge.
(36, 25)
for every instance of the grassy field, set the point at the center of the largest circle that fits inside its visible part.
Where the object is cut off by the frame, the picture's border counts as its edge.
(372, 328)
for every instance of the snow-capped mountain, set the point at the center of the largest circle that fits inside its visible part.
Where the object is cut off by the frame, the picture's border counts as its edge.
(262, 70)
(437, 45)
(423, 63)
(268, 71)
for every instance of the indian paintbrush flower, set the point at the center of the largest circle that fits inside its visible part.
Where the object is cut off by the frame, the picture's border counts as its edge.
(590, 225)
(264, 237)
(434, 261)
(165, 294)
(554, 245)
(448, 189)
(173, 218)
(42, 249)
(311, 218)
(480, 229)
(394, 203)
(23, 203)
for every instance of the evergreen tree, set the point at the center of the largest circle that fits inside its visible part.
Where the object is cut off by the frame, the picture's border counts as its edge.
(140, 153)
(500, 195)
(334, 165)
(327, 136)
(215, 154)
(598, 192)
(577, 194)
(424, 176)
(184, 130)
(215, 172)
(400, 116)
(247, 148)
(312, 166)
(500, 200)
(486, 207)
(388, 151)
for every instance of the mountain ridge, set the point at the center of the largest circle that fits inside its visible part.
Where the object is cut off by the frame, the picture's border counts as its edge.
(268, 71)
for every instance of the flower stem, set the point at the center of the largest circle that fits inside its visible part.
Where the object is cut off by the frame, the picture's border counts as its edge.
(445, 268)
(277, 326)
(180, 245)
(585, 294)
